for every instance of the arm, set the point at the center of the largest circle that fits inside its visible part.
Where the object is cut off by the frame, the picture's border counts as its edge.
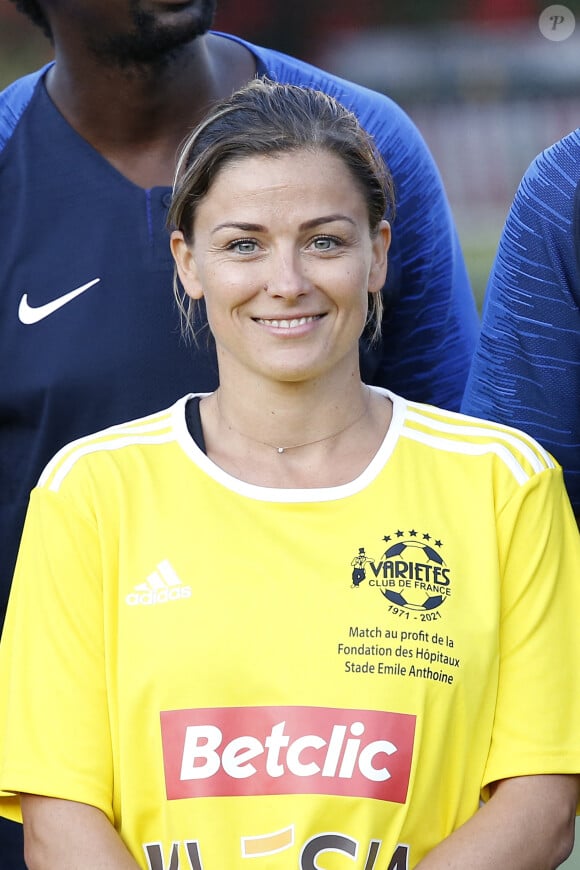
(55, 735)
(528, 824)
(70, 835)
(526, 367)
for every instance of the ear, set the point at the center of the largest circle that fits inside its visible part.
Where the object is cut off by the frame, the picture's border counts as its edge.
(380, 247)
(185, 265)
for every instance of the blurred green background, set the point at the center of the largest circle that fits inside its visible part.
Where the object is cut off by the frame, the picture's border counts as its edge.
(488, 87)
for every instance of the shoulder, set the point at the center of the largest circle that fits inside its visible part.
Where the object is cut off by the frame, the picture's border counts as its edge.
(538, 250)
(560, 161)
(377, 112)
(14, 100)
(520, 454)
(548, 189)
(154, 429)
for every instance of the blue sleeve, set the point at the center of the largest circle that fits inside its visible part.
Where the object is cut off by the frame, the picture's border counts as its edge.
(14, 100)
(431, 324)
(526, 369)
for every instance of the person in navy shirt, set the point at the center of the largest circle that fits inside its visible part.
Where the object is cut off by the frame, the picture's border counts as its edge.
(89, 334)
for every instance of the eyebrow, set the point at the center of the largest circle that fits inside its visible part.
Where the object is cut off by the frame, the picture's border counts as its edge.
(307, 225)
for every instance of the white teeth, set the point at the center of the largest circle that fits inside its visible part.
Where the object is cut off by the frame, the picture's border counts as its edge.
(287, 324)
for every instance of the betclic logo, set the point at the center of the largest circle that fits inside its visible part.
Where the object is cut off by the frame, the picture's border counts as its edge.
(227, 751)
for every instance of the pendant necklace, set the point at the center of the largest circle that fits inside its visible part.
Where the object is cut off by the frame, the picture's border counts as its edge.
(279, 449)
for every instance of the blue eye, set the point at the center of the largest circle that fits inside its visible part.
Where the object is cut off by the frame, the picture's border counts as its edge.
(243, 246)
(325, 243)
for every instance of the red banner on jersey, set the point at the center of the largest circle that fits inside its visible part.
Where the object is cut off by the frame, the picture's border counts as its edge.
(226, 751)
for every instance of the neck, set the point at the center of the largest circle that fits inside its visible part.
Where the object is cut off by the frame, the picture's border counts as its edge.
(283, 414)
(138, 117)
(345, 420)
(325, 443)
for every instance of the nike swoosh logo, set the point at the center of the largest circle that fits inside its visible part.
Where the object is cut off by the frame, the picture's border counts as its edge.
(27, 314)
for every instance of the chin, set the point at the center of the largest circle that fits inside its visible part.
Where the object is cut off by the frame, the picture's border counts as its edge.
(160, 30)
(295, 374)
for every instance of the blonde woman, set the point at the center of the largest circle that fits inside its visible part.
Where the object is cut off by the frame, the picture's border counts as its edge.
(189, 676)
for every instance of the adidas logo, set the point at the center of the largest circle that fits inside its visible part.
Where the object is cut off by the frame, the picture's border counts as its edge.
(161, 586)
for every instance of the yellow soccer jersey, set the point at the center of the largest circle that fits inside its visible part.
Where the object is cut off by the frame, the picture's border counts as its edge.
(247, 677)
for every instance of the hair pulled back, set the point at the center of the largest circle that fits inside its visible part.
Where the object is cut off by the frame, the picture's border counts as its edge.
(267, 118)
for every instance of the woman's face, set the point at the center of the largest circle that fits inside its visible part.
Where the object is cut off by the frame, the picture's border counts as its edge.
(283, 255)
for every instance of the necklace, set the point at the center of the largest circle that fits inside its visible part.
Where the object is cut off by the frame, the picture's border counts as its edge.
(279, 449)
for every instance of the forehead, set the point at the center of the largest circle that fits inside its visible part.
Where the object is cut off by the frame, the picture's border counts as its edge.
(297, 173)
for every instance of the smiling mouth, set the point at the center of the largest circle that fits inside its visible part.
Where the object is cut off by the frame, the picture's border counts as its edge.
(288, 324)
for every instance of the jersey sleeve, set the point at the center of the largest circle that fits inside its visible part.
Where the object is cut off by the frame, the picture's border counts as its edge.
(54, 728)
(526, 367)
(14, 100)
(537, 720)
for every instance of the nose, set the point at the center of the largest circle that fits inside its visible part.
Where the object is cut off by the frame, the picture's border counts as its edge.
(287, 278)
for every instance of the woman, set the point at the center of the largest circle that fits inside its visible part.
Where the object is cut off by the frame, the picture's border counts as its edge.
(190, 676)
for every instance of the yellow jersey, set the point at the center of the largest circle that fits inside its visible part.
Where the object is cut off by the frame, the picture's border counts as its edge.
(248, 677)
